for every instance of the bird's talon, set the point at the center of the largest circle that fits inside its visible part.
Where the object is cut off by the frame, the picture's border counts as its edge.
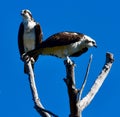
(69, 61)
(25, 57)
(32, 60)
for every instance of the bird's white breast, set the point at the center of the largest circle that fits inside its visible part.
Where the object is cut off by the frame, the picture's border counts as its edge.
(29, 36)
(63, 51)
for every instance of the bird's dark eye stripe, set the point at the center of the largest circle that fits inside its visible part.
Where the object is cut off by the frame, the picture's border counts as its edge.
(30, 14)
(25, 11)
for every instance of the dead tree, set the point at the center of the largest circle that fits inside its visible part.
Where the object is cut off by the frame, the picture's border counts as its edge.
(77, 104)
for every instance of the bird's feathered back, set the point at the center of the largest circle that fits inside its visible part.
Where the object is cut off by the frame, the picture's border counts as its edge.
(62, 38)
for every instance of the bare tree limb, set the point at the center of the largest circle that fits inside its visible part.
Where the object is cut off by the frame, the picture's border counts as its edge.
(72, 91)
(38, 105)
(85, 79)
(77, 106)
(98, 83)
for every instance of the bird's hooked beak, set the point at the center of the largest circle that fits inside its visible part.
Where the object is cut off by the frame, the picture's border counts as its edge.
(95, 45)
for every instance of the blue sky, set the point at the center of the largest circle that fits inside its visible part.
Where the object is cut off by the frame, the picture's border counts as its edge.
(98, 19)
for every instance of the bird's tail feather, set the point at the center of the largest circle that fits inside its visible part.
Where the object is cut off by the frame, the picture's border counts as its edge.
(35, 52)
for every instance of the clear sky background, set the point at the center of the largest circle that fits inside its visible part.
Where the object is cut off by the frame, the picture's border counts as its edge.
(98, 19)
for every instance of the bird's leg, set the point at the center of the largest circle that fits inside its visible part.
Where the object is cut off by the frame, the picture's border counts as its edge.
(69, 60)
(25, 57)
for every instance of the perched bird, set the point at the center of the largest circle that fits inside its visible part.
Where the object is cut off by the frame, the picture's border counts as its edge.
(65, 45)
(29, 35)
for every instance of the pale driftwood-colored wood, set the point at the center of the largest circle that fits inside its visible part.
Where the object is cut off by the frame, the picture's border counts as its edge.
(77, 105)
(98, 82)
(38, 105)
(85, 79)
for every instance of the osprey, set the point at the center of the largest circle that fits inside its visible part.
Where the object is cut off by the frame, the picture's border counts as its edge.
(29, 35)
(65, 45)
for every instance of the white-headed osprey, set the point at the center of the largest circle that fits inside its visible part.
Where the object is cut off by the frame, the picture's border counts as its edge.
(29, 35)
(65, 45)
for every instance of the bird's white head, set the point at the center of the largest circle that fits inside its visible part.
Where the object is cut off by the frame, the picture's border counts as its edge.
(26, 15)
(89, 42)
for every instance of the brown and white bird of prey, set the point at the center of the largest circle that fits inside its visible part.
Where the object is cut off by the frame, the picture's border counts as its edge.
(29, 35)
(65, 45)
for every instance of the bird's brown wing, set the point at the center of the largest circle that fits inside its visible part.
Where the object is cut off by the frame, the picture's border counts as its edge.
(20, 39)
(38, 38)
(39, 35)
(62, 38)
(58, 39)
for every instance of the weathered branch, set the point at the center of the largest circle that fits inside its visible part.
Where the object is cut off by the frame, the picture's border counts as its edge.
(38, 105)
(77, 106)
(72, 91)
(86, 77)
(98, 83)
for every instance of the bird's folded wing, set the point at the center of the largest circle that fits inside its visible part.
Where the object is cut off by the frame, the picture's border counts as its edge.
(60, 39)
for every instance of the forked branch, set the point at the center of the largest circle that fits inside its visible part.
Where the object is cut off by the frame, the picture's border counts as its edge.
(98, 82)
(76, 105)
